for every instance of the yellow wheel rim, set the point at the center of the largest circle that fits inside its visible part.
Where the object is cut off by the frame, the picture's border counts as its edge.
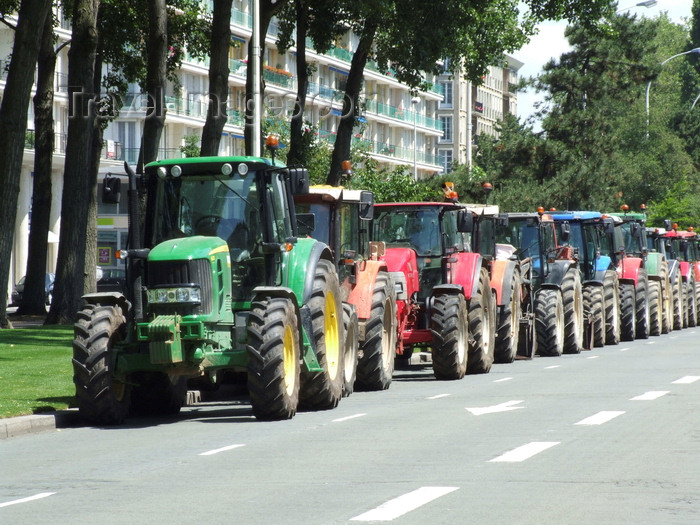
(332, 336)
(289, 360)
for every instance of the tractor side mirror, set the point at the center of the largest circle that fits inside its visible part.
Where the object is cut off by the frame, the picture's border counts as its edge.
(465, 221)
(565, 232)
(111, 190)
(503, 220)
(636, 230)
(366, 206)
(667, 224)
(609, 226)
(306, 223)
(299, 181)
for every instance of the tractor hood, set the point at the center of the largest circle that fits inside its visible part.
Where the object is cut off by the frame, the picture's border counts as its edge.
(187, 248)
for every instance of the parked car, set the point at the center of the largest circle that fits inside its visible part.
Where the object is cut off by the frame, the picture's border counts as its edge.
(19, 289)
(112, 280)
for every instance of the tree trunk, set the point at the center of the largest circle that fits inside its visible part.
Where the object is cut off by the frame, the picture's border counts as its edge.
(297, 152)
(13, 127)
(33, 297)
(351, 107)
(218, 78)
(268, 8)
(78, 183)
(156, 72)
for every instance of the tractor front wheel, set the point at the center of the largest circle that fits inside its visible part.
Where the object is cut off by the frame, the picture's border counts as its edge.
(628, 319)
(642, 306)
(273, 359)
(549, 322)
(656, 308)
(350, 349)
(594, 302)
(102, 398)
(572, 298)
(611, 289)
(450, 338)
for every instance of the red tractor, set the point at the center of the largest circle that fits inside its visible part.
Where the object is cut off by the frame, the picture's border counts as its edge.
(340, 218)
(682, 247)
(444, 297)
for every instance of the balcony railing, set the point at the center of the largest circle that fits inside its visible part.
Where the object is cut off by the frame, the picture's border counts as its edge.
(385, 149)
(405, 115)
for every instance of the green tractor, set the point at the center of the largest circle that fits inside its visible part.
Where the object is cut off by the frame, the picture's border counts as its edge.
(217, 281)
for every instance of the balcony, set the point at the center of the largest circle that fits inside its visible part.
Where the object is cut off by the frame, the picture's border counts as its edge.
(404, 115)
(279, 77)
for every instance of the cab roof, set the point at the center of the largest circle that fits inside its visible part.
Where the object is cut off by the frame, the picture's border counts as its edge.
(575, 215)
(335, 193)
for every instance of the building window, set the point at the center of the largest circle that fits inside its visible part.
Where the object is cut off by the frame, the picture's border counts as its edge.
(446, 129)
(445, 159)
(447, 92)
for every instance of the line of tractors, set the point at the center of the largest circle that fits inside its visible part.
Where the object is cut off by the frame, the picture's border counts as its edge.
(238, 268)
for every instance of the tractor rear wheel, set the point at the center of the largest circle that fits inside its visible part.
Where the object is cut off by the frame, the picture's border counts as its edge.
(273, 358)
(449, 321)
(549, 322)
(509, 324)
(350, 352)
(656, 308)
(666, 299)
(572, 298)
(641, 295)
(594, 302)
(323, 390)
(378, 350)
(677, 288)
(628, 318)
(697, 303)
(481, 327)
(611, 289)
(690, 300)
(102, 398)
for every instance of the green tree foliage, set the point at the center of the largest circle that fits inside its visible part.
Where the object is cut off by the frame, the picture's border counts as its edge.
(594, 152)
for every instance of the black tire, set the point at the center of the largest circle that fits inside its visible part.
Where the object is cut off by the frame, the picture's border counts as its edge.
(656, 308)
(351, 349)
(273, 359)
(594, 303)
(697, 303)
(323, 390)
(378, 349)
(481, 328)
(157, 394)
(690, 300)
(642, 306)
(508, 332)
(549, 322)
(572, 298)
(450, 346)
(628, 312)
(611, 289)
(666, 299)
(677, 302)
(102, 398)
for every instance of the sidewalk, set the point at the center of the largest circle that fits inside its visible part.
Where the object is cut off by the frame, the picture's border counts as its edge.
(17, 426)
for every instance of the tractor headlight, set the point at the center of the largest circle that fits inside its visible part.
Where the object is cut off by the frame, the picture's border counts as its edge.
(175, 295)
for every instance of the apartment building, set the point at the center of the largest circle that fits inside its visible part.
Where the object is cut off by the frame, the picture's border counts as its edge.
(398, 127)
(468, 111)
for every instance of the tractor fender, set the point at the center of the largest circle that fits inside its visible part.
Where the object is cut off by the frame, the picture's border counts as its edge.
(108, 298)
(592, 283)
(557, 271)
(602, 264)
(630, 268)
(302, 262)
(502, 272)
(653, 264)
(685, 270)
(404, 260)
(361, 294)
(464, 269)
(447, 289)
(696, 271)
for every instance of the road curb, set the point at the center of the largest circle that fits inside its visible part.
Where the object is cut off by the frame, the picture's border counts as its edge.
(17, 426)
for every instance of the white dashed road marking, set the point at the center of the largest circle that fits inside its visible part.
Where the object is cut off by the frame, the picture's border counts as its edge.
(25, 500)
(396, 507)
(553, 366)
(503, 379)
(222, 449)
(503, 407)
(439, 396)
(650, 396)
(341, 419)
(593, 357)
(525, 452)
(600, 418)
(624, 349)
(686, 380)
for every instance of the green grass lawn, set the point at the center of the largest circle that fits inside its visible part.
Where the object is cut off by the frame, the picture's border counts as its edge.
(36, 374)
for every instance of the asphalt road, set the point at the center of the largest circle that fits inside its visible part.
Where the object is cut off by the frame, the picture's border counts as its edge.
(608, 436)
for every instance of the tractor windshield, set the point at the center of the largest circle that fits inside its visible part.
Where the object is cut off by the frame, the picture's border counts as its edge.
(410, 227)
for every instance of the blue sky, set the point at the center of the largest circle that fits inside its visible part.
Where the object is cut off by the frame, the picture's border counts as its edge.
(550, 43)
